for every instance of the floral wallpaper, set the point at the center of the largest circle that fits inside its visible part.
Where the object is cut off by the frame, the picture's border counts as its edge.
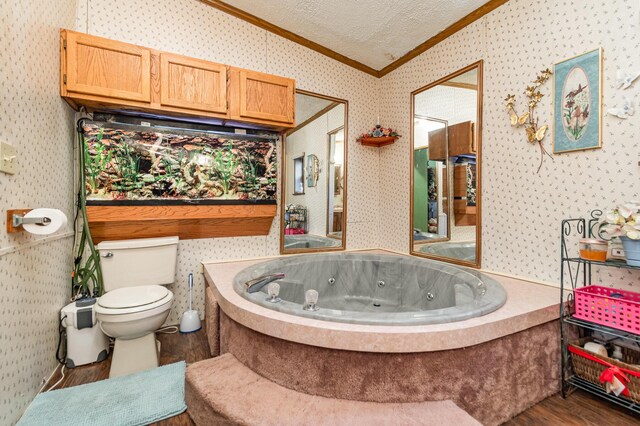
(522, 210)
(194, 29)
(34, 271)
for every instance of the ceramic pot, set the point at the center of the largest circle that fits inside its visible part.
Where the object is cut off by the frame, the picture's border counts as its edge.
(631, 251)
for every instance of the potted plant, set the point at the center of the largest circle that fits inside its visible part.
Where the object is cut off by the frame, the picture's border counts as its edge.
(624, 222)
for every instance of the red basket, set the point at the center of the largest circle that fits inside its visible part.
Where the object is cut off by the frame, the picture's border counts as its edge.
(610, 307)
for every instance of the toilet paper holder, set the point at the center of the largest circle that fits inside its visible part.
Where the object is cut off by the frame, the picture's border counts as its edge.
(15, 220)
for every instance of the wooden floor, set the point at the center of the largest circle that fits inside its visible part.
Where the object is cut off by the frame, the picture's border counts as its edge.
(580, 408)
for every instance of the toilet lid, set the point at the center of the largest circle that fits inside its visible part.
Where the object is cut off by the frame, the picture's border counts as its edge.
(131, 297)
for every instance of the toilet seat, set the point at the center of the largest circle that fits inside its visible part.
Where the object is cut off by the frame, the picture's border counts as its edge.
(130, 300)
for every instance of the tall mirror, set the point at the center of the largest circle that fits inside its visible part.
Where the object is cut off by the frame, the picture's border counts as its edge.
(314, 169)
(445, 162)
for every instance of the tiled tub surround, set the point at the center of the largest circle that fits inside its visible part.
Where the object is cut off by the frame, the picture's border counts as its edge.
(528, 305)
(493, 366)
(377, 289)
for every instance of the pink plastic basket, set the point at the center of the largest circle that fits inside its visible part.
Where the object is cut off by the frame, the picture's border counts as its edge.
(610, 307)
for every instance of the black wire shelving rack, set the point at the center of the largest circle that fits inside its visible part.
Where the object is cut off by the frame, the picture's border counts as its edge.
(577, 272)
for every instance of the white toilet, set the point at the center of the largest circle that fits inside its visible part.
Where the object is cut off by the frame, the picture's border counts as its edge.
(135, 303)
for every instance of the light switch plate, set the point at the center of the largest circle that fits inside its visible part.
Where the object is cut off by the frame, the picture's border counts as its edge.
(8, 158)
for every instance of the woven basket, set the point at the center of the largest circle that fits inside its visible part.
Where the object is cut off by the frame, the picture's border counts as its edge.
(591, 370)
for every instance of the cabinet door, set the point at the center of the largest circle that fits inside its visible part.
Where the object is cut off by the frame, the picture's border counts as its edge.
(102, 67)
(437, 145)
(460, 182)
(192, 83)
(266, 97)
(461, 139)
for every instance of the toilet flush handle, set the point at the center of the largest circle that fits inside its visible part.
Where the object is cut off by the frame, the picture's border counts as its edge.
(108, 254)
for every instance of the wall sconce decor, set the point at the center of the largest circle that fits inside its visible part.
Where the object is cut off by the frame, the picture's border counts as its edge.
(534, 133)
(313, 170)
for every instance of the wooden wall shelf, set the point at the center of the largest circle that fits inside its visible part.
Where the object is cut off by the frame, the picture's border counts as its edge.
(381, 141)
(187, 222)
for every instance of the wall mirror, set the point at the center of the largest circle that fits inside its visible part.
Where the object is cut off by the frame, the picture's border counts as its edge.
(445, 163)
(314, 169)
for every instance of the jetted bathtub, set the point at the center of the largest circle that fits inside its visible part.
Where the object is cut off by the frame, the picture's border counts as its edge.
(456, 249)
(376, 289)
(309, 241)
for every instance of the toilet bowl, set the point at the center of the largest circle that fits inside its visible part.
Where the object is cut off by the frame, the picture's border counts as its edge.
(135, 303)
(131, 316)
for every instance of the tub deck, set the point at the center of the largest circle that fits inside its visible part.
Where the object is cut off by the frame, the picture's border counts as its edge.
(528, 305)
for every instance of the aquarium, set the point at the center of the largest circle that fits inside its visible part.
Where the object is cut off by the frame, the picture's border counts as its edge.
(132, 163)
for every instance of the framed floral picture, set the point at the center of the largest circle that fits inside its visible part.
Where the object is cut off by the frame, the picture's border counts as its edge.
(577, 103)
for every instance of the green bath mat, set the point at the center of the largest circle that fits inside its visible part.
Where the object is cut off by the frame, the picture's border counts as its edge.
(137, 399)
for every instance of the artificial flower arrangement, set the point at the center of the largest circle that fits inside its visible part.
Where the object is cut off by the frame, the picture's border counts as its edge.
(379, 132)
(622, 221)
(378, 136)
(529, 120)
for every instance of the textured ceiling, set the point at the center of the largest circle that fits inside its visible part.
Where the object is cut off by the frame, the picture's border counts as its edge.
(373, 32)
(308, 106)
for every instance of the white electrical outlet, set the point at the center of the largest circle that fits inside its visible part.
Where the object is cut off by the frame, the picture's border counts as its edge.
(8, 159)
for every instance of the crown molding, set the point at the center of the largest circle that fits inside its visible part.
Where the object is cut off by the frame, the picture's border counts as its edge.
(416, 51)
(446, 33)
(265, 25)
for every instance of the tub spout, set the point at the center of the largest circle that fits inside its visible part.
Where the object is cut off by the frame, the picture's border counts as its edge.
(256, 284)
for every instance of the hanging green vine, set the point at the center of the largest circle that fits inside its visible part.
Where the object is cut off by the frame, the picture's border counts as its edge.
(86, 278)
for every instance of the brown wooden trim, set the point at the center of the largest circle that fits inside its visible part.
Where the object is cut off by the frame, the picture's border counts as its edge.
(447, 32)
(460, 85)
(283, 174)
(265, 25)
(378, 141)
(479, 167)
(314, 117)
(329, 194)
(10, 213)
(416, 51)
(187, 222)
(477, 264)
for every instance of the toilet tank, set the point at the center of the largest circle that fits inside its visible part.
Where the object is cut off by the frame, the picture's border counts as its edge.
(145, 261)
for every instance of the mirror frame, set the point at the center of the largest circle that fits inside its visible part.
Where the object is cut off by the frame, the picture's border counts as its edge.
(283, 174)
(331, 133)
(302, 178)
(477, 264)
(448, 179)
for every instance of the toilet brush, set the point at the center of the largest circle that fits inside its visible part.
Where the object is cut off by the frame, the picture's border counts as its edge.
(190, 320)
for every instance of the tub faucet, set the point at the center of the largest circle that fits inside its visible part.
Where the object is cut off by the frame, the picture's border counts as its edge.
(256, 284)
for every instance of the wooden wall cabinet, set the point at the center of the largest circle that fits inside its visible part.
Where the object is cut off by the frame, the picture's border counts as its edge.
(192, 84)
(462, 139)
(102, 67)
(262, 97)
(437, 145)
(103, 74)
